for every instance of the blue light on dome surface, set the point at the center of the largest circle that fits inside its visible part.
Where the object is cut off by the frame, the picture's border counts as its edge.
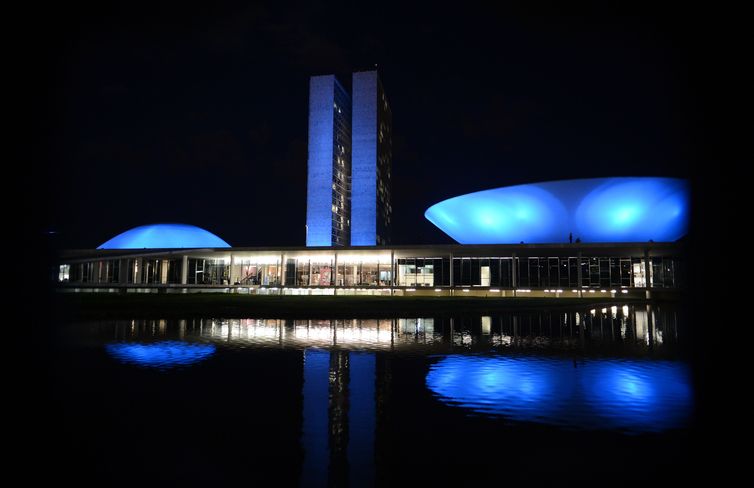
(160, 355)
(630, 209)
(629, 395)
(164, 236)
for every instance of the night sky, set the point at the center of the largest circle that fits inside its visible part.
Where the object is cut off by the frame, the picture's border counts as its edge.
(199, 115)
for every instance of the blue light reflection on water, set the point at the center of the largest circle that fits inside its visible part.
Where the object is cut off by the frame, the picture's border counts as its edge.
(630, 395)
(314, 432)
(160, 355)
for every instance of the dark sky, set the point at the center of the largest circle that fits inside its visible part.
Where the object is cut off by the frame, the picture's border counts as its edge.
(199, 114)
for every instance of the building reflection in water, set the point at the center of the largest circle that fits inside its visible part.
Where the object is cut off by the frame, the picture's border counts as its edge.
(626, 394)
(580, 368)
(315, 433)
(633, 328)
(160, 355)
(339, 418)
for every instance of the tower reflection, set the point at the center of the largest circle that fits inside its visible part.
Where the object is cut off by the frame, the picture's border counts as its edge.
(605, 368)
(339, 418)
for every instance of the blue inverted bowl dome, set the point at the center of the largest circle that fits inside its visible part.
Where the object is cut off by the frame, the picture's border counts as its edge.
(625, 209)
(164, 236)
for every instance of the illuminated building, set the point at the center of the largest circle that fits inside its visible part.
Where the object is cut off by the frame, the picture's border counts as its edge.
(556, 270)
(372, 162)
(328, 183)
(636, 209)
(349, 162)
(164, 236)
(604, 236)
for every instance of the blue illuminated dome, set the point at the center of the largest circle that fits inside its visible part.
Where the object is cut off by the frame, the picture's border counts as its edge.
(627, 209)
(164, 236)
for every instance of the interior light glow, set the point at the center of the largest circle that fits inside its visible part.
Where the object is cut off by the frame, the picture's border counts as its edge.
(315, 258)
(251, 259)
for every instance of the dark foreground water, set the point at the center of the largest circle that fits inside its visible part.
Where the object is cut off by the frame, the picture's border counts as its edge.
(578, 396)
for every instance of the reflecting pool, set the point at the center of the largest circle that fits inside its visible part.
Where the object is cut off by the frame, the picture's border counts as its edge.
(431, 400)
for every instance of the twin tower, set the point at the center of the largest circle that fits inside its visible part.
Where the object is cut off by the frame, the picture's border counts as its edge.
(349, 163)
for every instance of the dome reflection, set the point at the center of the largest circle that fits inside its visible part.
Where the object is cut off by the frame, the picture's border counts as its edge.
(629, 395)
(160, 355)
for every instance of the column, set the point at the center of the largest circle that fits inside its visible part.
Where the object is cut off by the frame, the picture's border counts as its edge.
(451, 274)
(139, 270)
(231, 278)
(123, 271)
(96, 265)
(393, 267)
(578, 275)
(184, 269)
(514, 268)
(335, 272)
(647, 271)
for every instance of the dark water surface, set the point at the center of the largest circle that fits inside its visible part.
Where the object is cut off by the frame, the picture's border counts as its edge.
(578, 396)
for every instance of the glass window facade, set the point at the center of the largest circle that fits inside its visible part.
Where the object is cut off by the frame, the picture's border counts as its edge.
(261, 271)
(208, 272)
(341, 168)
(344, 269)
(323, 271)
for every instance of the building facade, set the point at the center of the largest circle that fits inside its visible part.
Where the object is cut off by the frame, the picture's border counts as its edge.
(558, 270)
(372, 162)
(328, 196)
(349, 163)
